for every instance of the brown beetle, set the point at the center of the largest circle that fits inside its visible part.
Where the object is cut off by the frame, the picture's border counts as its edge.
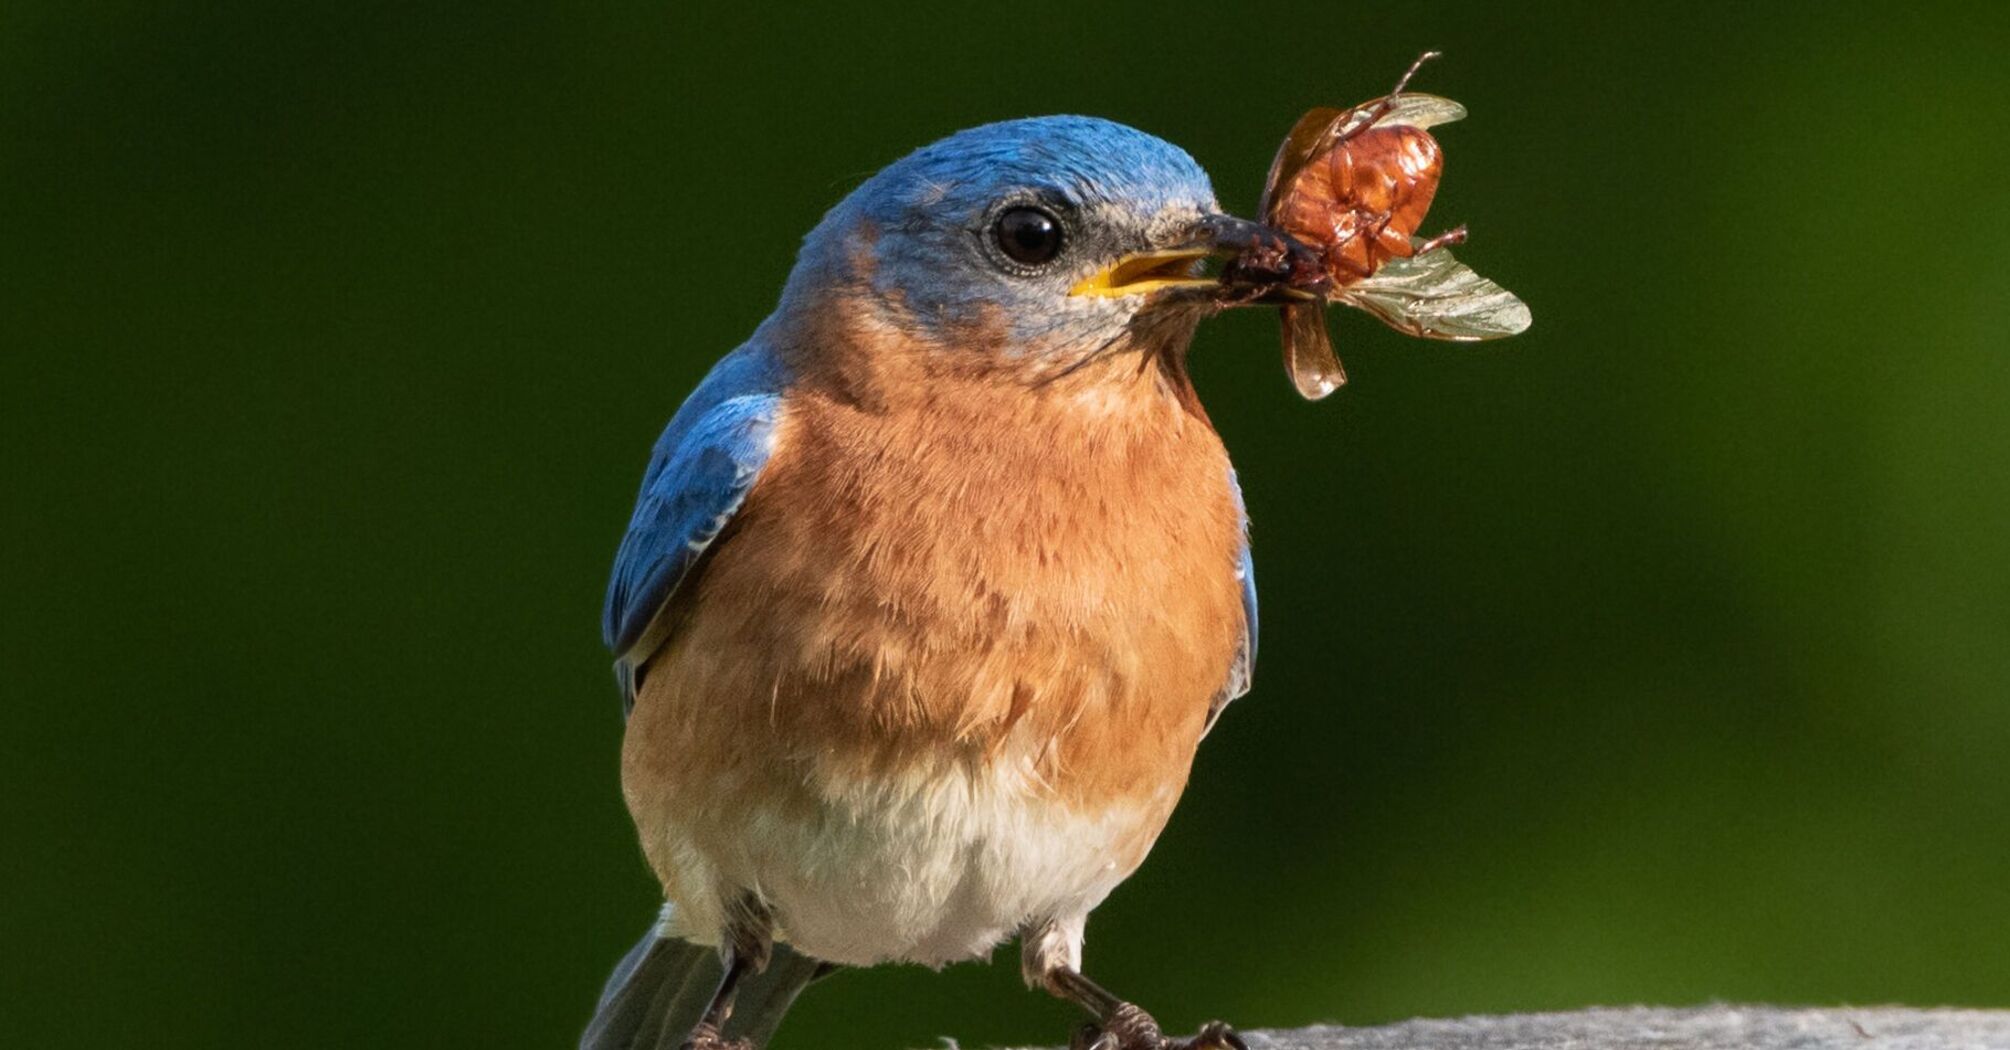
(1359, 183)
(1355, 185)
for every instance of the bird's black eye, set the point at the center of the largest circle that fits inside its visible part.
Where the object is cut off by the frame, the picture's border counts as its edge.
(1028, 235)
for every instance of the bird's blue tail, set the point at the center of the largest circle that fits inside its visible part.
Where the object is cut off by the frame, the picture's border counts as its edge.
(662, 986)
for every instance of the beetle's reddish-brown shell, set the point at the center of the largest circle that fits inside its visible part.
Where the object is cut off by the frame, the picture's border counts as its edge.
(1363, 200)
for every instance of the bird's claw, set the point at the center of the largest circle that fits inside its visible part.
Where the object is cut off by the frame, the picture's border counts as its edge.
(1214, 1035)
(707, 1037)
(1129, 1028)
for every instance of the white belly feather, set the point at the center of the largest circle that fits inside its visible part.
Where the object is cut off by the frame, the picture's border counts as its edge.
(929, 868)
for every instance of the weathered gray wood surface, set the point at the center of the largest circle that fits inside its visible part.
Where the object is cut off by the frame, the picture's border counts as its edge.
(1650, 1028)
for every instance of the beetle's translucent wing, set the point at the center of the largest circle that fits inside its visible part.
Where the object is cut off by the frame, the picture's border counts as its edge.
(1308, 351)
(1437, 297)
(1311, 134)
(1419, 111)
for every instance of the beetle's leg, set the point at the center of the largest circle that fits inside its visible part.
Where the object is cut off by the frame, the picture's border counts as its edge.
(1412, 71)
(1455, 235)
(1383, 105)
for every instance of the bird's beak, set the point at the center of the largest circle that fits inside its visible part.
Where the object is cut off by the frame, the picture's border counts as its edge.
(1177, 267)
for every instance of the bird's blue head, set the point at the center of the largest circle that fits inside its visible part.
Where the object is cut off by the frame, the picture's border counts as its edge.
(1029, 242)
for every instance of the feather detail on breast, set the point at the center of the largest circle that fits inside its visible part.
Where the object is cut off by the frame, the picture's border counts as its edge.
(952, 566)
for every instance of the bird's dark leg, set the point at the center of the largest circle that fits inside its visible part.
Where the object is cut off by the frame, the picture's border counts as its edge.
(1118, 1026)
(1052, 958)
(707, 1034)
(749, 941)
(1124, 1026)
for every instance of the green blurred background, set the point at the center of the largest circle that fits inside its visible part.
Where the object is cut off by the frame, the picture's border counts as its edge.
(1662, 654)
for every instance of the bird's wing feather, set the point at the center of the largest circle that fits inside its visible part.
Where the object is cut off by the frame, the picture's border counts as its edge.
(1242, 674)
(704, 464)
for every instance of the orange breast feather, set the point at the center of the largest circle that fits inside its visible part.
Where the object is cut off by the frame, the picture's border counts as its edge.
(948, 572)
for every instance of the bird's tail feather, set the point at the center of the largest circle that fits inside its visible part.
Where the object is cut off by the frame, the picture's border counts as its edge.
(662, 986)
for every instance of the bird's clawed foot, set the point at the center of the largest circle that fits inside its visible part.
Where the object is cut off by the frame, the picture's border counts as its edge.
(1214, 1035)
(1129, 1028)
(706, 1037)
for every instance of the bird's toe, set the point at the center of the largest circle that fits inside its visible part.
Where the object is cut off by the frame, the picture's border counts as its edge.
(706, 1037)
(1213, 1035)
(1127, 1028)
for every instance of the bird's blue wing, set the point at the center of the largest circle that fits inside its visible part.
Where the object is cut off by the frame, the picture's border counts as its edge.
(1242, 674)
(705, 463)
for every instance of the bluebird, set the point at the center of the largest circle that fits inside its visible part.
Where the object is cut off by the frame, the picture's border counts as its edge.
(932, 588)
